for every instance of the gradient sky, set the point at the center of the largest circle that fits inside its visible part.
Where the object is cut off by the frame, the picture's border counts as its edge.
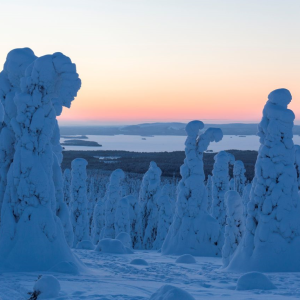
(164, 60)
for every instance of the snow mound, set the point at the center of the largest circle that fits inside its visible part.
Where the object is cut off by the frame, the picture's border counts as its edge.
(112, 246)
(125, 239)
(139, 262)
(186, 259)
(169, 292)
(46, 287)
(65, 267)
(254, 281)
(85, 244)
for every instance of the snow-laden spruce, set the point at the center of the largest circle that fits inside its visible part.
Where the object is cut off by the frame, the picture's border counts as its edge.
(134, 216)
(67, 186)
(14, 69)
(122, 219)
(209, 193)
(234, 225)
(231, 184)
(165, 216)
(113, 195)
(29, 224)
(78, 203)
(98, 221)
(297, 163)
(220, 185)
(246, 199)
(148, 202)
(193, 230)
(271, 242)
(239, 176)
(92, 200)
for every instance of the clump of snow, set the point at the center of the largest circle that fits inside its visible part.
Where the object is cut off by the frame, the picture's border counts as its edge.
(113, 195)
(46, 287)
(65, 267)
(139, 262)
(254, 281)
(272, 236)
(78, 204)
(112, 246)
(170, 292)
(148, 202)
(186, 259)
(29, 224)
(125, 238)
(85, 244)
(193, 230)
(234, 225)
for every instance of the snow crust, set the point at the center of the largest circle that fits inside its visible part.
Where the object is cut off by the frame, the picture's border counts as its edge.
(254, 281)
(193, 230)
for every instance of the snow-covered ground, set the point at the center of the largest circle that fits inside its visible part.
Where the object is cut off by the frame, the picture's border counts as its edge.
(160, 143)
(112, 277)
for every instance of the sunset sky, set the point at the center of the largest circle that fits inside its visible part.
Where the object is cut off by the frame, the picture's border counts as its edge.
(164, 60)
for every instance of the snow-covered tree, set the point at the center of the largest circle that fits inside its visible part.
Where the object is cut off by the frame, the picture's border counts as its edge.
(134, 215)
(297, 163)
(98, 221)
(29, 224)
(148, 203)
(246, 198)
(271, 242)
(165, 216)
(234, 225)
(231, 184)
(209, 193)
(14, 69)
(67, 186)
(193, 230)
(78, 203)
(113, 195)
(239, 176)
(220, 185)
(122, 219)
(92, 200)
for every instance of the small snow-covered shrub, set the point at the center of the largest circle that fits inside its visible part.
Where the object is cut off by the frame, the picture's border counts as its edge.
(186, 259)
(254, 281)
(125, 238)
(139, 262)
(112, 246)
(87, 245)
(47, 286)
(170, 292)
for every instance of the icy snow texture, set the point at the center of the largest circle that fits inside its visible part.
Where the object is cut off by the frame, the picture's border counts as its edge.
(234, 225)
(239, 176)
(125, 238)
(29, 224)
(98, 221)
(254, 281)
(169, 292)
(47, 287)
(186, 259)
(148, 203)
(220, 185)
(78, 203)
(112, 246)
(122, 221)
(193, 230)
(271, 242)
(209, 193)
(165, 216)
(67, 186)
(113, 195)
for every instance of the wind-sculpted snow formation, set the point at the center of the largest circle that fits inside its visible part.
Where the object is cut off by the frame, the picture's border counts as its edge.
(193, 230)
(29, 224)
(239, 176)
(113, 195)
(148, 202)
(78, 203)
(234, 225)
(271, 242)
(220, 183)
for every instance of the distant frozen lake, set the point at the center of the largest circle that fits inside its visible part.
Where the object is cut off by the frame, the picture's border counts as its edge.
(161, 143)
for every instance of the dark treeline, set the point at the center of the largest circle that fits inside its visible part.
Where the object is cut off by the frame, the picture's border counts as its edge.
(138, 162)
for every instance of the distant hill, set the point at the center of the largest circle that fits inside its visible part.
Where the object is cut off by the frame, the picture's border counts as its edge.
(172, 128)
